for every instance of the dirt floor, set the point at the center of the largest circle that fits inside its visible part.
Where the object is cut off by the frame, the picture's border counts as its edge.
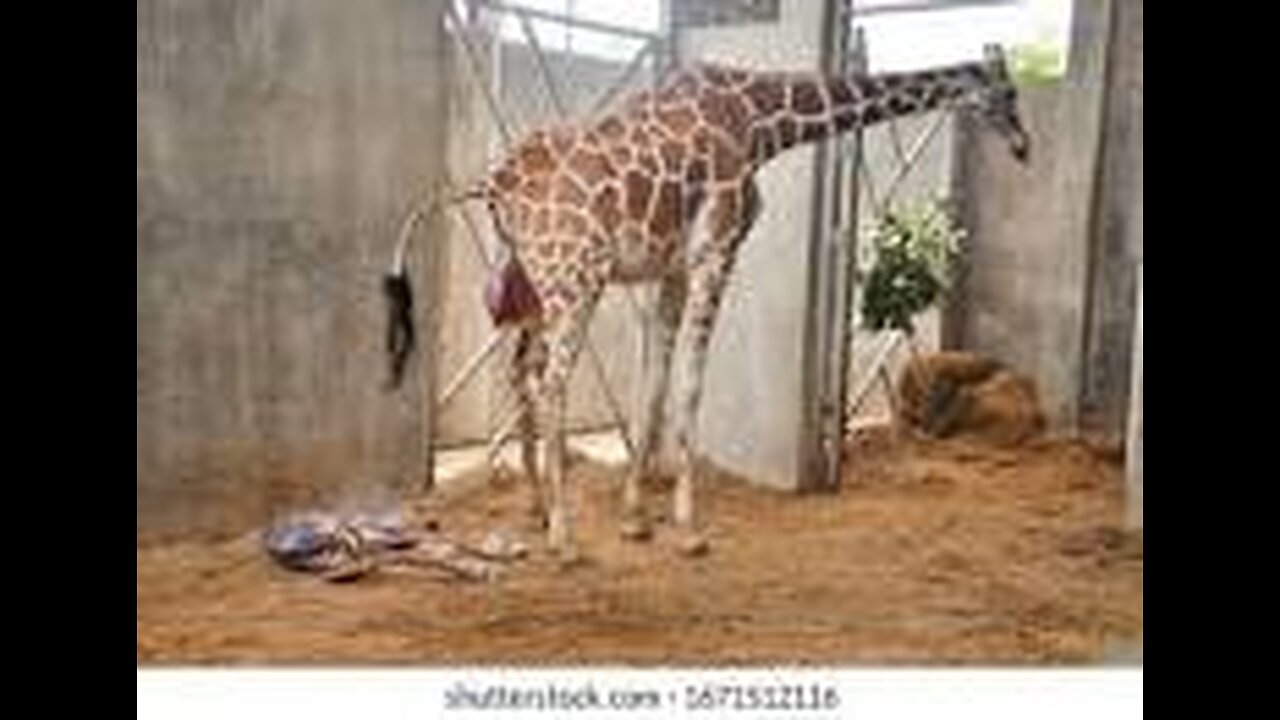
(940, 552)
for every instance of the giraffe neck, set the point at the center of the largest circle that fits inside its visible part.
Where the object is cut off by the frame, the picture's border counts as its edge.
(813, 106)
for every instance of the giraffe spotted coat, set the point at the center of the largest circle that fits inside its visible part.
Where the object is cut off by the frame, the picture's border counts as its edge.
(613, 200)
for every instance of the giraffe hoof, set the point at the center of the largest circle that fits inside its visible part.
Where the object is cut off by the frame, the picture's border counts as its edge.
(636, 530)
(693, 544)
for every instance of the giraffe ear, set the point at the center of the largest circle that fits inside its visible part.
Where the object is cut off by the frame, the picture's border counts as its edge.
(993, 53)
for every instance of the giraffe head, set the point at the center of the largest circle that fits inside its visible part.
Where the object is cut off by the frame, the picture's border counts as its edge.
(996, 102)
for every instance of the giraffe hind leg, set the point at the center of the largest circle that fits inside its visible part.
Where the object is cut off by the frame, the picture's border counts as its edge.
(526, 366)
(670, 306)
(564, 333)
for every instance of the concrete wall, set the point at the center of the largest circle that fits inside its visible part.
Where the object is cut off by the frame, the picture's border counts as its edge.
(751, 410)
(278, 144)
(1117, 231)
(1021, 292)
(752, 417)
(1038, 291)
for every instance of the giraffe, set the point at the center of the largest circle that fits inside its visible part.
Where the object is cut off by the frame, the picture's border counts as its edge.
(581, 205)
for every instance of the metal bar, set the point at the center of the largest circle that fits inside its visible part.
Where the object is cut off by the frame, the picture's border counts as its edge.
(474, 67)
(406, 234)
(889, 394)
(880, 202)
(593, 356)
(557, 101)
(834, 280)
(918, 6)
(477, 243)
(1133, 455)
(623, 78)
(503, 433)
(878, 369)
(469, 369)
(912, 159)
(868, 181)
(614, 407)
(569, 20)
(889, 344)
(540, 59)
(597, 365)
(895, 140)
(856, 60)
(819, 434)
(511, 415)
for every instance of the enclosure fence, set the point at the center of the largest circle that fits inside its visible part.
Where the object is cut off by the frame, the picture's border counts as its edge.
(655, 51)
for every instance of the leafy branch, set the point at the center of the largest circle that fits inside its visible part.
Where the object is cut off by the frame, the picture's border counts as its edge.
(914, 250)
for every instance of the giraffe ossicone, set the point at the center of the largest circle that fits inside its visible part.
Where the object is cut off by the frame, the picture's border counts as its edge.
(613, 200)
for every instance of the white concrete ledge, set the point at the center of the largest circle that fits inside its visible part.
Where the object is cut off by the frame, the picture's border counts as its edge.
(1135, 420)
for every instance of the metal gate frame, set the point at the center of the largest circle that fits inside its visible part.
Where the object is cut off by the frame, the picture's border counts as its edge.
(662, 49)
(842, 175)
(1133, 454)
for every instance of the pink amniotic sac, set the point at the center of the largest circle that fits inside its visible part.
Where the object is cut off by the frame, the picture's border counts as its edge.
(509, 295)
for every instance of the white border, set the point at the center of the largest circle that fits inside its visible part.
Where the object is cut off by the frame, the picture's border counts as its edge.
(419, 694)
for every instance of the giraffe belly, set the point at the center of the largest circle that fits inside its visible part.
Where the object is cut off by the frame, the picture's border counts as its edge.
(638, 258)
(631, 273)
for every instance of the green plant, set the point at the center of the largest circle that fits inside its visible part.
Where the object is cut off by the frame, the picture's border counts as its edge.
(1037, 64)
(914, 248)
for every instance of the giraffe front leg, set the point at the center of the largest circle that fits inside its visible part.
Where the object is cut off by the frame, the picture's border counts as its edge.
(702, 311)
(732, 213)
(670, 306)
(564, 334)
(560, 537)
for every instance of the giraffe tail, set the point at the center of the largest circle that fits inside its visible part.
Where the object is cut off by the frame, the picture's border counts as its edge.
(401, 332)
(401, 337)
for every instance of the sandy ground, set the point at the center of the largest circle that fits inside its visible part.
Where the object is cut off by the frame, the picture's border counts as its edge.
(940, 552)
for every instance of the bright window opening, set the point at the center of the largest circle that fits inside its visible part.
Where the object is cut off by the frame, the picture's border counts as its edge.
(913, 34)
(643, 16)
